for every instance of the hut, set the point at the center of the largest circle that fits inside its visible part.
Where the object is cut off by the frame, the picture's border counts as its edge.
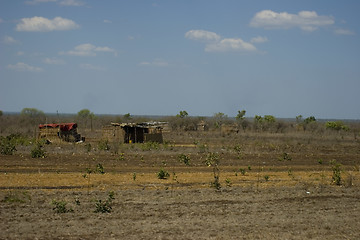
(133, 132)
(57, 132)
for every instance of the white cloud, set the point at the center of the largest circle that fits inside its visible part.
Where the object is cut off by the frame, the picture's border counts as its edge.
(88, 50)
(75, 3)
(88, 66)
(156, 63)
(20, 53)
(10, 40)
(341, 31)
(41, 24)
(306, 20)
(215, 43)
(107, 21)
(259, 39)
(229, 45)
(202, 35)
(54, 61)
(23, 67)
(1, 20)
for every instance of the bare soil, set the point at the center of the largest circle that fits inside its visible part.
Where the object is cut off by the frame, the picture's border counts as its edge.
(274, 199)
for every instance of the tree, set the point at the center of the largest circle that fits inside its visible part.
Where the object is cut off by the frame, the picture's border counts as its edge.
(182, 114)
(32, 113)
(127, 117)
(337, 125)
(240, 118)
(86, 114)
(309, 120)
(219, 119)
(1, 113)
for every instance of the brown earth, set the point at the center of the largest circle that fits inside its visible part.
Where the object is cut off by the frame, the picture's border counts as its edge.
(297, 201)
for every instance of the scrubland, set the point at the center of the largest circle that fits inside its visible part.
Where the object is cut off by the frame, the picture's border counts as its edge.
(287, 180)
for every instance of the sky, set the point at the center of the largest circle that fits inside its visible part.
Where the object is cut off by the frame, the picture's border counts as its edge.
(158, 57)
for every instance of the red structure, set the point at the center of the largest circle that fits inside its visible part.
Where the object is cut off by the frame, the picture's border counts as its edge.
(64, 131)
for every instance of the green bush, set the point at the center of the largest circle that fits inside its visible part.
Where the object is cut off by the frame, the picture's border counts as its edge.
(103, 145)
(7, 147)
(60, 207)
(162, 174)
(337, 125)
(336, 168)
(184, 159)
(37, 151)
(105, 206)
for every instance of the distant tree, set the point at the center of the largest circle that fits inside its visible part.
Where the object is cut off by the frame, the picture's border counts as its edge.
(309, 120)
(219, 119)
(127, 117)
(337, 125)
(299, 118)
(32, 113)
(269, 119)
(310, 123)
(1, 113)
(84, 115)
(182, 114)
(240, 119)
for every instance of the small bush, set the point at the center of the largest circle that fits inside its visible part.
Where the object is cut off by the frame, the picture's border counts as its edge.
(7, 147)
(105, 206)
(103, 145)
(184, 159)
(100, 168)
(162, 174)
(285, 156)
(60, 207)
(37, 151)
(336, 168)
(337, 125)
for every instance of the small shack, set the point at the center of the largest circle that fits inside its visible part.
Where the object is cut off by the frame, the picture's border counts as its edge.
(133, 132)
(63, 131)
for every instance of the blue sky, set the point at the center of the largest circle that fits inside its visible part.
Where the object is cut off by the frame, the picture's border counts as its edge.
(282, 58)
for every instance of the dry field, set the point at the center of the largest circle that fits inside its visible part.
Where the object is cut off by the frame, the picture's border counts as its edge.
(273, 186)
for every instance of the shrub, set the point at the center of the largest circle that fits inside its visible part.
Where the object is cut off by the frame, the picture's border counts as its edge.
(103, 145)
(162, 174)
(184, 159)
(37, 151)
(213, 160)
(285, 156)
(100, 168)
(105, 206)
(60, 207)
(7, 147)
(242, 171)
(336, 169)
(337, 125)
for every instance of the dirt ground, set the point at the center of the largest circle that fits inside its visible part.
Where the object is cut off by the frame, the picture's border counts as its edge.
(262, 196)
